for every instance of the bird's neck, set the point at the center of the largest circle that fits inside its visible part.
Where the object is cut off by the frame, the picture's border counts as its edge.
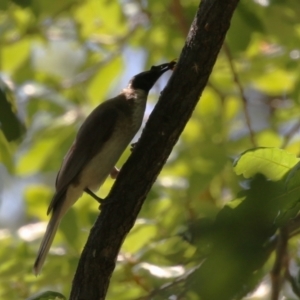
(135, 104)
(135, 95)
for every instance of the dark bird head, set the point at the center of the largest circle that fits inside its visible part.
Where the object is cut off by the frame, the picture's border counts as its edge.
(145, 80)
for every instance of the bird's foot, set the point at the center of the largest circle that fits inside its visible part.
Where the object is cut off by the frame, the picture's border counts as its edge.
(114, 173)
(98, 199)
(132, 146)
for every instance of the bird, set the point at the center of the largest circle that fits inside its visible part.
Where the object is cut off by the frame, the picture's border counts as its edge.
(99, 143)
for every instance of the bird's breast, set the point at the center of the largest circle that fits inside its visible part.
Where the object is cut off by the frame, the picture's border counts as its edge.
(104, 161)
(137, 114)
(128, 123)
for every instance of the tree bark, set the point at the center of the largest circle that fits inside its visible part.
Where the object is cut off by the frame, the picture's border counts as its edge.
(161, 133)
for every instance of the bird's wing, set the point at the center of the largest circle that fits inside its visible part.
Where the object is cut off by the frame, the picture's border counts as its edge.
(91, 137)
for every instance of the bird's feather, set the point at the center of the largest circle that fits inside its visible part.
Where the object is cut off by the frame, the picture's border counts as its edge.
(81, 153)
(47, 241)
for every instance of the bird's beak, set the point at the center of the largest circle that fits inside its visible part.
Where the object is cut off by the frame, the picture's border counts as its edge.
(164, 67)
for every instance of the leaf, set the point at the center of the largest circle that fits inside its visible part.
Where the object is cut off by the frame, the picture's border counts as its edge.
(275, 81)
(15, 54)
(293, 178)
(99, 85)
(241, 240)
(6, 153)
(9, 122)
(70, 228)
(4, 4)
(48, 7)
(49, 295)
(139, 236)
(291, 198)
(37, 199)
(94, 18)
(46, 149)
(274, 163)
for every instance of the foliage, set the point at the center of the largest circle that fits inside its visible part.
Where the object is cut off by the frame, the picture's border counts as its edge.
(211, 224)
(48, 296)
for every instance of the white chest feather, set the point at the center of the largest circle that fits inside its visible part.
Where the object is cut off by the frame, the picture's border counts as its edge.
(98, 169)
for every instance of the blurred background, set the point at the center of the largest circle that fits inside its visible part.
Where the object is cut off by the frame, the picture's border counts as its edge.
(60, 59)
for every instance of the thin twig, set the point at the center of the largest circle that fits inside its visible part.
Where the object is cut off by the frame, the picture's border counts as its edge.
(178, 12)
(168, 285)
(290, 134)
(242, 93)
(293, 226)
(280, 263)
(292, 281)
(159, 290)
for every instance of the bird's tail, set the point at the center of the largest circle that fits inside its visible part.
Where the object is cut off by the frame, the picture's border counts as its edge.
(47, 241)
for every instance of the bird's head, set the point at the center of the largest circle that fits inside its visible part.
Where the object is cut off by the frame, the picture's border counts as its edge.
(145, 80)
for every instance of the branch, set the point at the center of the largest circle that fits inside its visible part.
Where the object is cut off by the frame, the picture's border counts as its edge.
(280, 263)
(178, 12)
(241, 91)
(161, 133)
(293, 282)
(168, 285)
(290, 134)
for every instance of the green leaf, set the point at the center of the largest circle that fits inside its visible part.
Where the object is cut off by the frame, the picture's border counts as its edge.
(103, 80)
(275, 81)
(291, 197)
(242, 240)
(49, 295)
(46, 149)
(48, 7)
(70, 228)
(14, 55)
(37, 199)
(274, 163)
(6, 153)
(140, 236)
(9, 122)
(4, 4)
(94, 18)
(293, 178)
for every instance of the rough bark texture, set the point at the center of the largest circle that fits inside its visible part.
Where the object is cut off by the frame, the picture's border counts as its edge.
(161, 133)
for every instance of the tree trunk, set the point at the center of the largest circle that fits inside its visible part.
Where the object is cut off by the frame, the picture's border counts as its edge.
(161, 133)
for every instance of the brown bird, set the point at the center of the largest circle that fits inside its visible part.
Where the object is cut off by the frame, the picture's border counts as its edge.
(99, 143)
